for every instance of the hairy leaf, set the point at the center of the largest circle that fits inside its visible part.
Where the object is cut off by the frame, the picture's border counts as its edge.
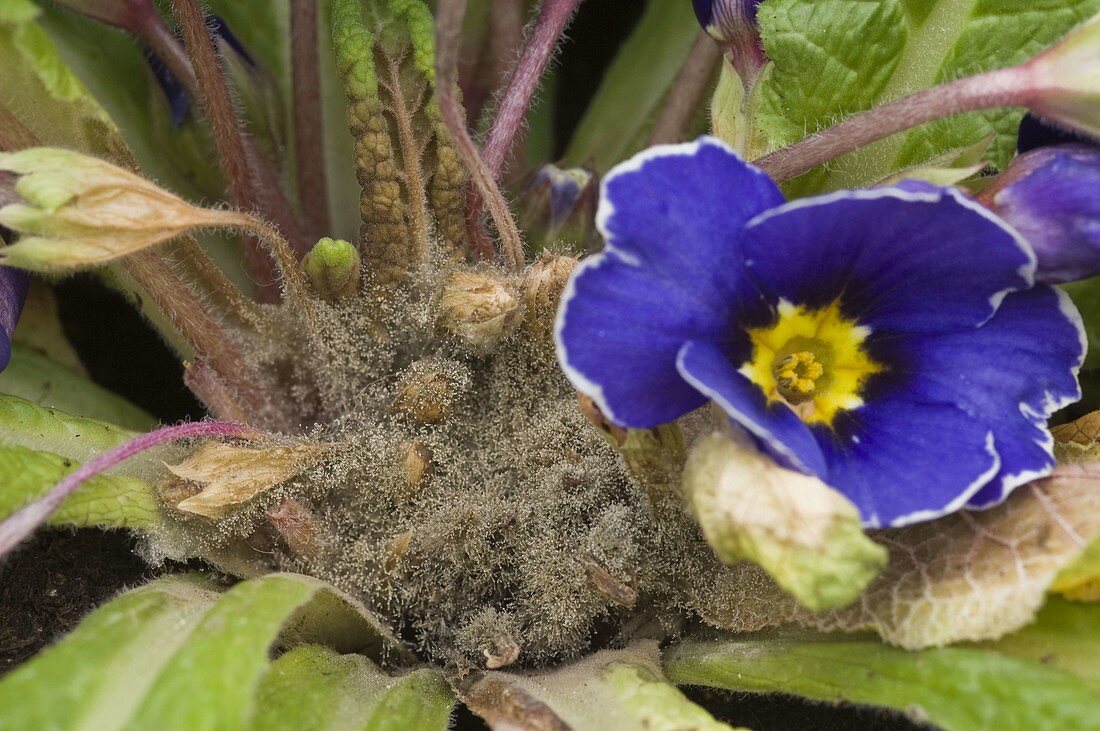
(624, 685)
(105, 501)
(176, 654)
(313, 688)
(954, 689)
(968, 576)
(40, 428)
(833, 58)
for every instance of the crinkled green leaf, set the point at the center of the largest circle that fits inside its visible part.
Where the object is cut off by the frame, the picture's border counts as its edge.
(176, 655)
(618, 118)
(38, 379)
(314, 688)
(954, 689)
(625, 687)
(833, 58)
(105, 501)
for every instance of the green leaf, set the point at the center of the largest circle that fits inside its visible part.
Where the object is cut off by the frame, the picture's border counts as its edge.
(105, 501)
(833, 58)
(625, 686)
(953, 689)
(313, 688)
(176, 655)
(38, 379)
(40, 428)
(619, 116)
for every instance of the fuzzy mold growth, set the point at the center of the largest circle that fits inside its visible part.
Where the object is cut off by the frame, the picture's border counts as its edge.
(426, 453)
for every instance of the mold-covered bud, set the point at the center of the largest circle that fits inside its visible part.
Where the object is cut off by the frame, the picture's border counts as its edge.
(332, 269)
(1050, 196)
(478, 307)
(1066, 79)
(295, 525)
(416, 463)
(559, 207)
(78, 211)
(543, 285)
(733, 24)
(429, 389)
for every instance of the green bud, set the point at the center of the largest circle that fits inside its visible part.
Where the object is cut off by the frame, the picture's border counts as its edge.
(332, 269)
(794, 526)
(1066, 79)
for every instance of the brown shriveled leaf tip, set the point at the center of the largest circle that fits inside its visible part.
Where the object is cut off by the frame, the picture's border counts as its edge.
(973, 575)
(1078, 441)
(232, 475)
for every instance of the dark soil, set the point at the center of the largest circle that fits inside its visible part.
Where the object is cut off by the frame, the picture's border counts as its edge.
(54, 580)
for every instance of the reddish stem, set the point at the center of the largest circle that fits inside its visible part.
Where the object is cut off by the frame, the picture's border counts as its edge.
(687, 91)
(23, 522)
(308, 125)
(553, 16)
(1001, 88)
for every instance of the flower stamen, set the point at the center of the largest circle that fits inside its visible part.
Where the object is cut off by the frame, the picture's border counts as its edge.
(796, 376)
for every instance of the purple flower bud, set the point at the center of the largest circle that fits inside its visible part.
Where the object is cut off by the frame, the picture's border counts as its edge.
(1050, 196)
(733, 24)
(13, 292)
(560, 206)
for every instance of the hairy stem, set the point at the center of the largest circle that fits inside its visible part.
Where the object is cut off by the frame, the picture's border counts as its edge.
(448, 41)
(412, 171)
(22, 523)
(491, 72)
(308, 126)
(687, 91)
(1001, 88)
(553, 16)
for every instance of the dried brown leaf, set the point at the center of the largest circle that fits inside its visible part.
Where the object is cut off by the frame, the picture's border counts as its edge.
(232, 475)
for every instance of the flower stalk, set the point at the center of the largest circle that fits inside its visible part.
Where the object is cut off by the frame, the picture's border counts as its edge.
(1008, 87)
(308, 125)
(687, 91)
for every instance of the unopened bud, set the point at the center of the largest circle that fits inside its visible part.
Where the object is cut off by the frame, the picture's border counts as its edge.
(1049, 196)
(543, 285)
(1066, 79)
(478, 307)
(559, 207)
(429, 390)
(416, 463)
(332, 269)
(733, 24)
(78, 211)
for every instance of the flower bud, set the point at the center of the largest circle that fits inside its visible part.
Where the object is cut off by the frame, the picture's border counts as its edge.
(78, 211)
(429, 389)
(543, 285)
(559, 206)
(416, 463)
(733, 24)
(478, 307)
(14, 285)
(1066, 78)
(332, 269)
(1050, 196)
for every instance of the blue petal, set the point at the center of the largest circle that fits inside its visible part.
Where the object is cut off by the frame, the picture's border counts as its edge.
(776, 427)
(1056, 207)
(670, 272)
(902, 461)
(911, 262)
(14, 284)
(1011, 375)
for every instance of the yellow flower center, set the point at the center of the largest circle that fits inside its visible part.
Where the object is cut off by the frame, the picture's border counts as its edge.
(812, 360)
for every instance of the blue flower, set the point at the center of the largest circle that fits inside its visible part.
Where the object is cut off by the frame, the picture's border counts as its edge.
(892, 342)
(1050, 196)
(14, 284)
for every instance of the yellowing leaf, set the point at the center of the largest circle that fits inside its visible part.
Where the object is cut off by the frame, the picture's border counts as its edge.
(801, 531)
(973, 575)
(233, 475)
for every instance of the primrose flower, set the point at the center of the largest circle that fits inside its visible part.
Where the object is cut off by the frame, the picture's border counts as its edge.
(891, 342)
(1050, 196)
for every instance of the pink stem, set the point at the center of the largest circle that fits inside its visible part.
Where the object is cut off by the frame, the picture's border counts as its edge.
(22, 523)
(1009, 87)
(553, 16)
